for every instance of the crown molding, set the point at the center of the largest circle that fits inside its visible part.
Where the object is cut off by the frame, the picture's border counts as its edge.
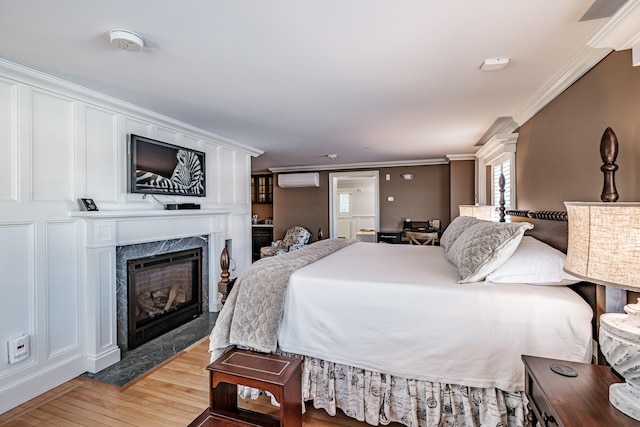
(369, 165)
(500, 126)
(38, 79)
(621, 31)
(497, 145)
(581, 62)
(453, 157)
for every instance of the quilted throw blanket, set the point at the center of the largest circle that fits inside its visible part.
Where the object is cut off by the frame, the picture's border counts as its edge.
(252, 312)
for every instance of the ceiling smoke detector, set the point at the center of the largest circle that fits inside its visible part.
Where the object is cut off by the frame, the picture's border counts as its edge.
(126, 40)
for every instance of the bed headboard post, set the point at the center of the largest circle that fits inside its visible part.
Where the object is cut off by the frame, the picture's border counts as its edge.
(501, 182)
(223, 284)
(609, 153)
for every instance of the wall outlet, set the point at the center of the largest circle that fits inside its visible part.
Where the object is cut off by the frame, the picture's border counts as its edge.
(19, 349)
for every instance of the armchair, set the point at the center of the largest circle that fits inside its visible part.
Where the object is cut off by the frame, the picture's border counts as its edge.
(295, 238)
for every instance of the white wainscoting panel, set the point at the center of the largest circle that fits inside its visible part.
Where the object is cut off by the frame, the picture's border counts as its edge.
(53, 137)
(8, 140)
(169, 135)
(60, 142)
(137, 127)
(17, 287)
(243, 177)
(225, 174)
(101, 152)
(62, 287)
(212, 172)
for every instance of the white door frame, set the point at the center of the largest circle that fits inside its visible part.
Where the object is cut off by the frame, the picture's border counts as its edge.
(334, 177)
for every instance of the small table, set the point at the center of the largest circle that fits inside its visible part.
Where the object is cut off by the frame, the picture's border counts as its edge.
(279, 375)
(421, 238)
(581, 401)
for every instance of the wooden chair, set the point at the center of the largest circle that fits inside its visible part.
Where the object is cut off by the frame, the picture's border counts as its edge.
(421, 238)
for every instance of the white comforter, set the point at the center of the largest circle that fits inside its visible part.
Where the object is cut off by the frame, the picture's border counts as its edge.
(397, 309)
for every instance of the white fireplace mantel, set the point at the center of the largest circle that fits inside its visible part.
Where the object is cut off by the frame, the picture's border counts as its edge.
(106, 230)
(109, 228)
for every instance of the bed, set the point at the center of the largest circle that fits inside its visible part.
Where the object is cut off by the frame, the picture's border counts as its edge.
(398, 333)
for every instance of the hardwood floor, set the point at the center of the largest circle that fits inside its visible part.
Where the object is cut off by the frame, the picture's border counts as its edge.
(171, 395)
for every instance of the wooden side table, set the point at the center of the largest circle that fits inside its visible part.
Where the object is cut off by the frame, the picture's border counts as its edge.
(581, 401)
(279, 375)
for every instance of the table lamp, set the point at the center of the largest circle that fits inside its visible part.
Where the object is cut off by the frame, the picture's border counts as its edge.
(477, 211)
(604, 248)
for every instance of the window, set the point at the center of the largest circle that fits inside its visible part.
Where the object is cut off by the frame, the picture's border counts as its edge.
(496, 157)
(345, 203)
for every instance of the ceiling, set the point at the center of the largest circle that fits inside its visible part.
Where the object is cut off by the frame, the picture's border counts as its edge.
(368, 80)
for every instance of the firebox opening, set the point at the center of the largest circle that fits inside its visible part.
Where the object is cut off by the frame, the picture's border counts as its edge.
(164, 292)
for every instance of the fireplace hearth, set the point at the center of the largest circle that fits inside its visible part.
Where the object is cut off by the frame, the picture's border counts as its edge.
(164, 292)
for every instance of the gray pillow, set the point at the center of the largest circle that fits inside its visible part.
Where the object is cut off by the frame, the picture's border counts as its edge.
(455, 229)
(485, 246)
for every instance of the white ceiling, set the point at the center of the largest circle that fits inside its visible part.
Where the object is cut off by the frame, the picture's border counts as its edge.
(368, 80)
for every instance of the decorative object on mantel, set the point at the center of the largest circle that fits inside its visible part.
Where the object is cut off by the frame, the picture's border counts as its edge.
(604, 249)
(609, 153)
(89, 205)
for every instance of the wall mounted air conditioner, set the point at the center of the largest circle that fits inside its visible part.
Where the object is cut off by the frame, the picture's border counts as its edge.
(292, 180)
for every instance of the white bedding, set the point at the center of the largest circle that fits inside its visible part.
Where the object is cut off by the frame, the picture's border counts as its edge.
(397, 309)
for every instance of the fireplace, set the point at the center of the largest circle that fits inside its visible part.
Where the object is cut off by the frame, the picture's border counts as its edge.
(111, 238)
(163, 292)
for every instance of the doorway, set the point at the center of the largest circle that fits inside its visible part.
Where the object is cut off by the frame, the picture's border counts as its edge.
(354, 204)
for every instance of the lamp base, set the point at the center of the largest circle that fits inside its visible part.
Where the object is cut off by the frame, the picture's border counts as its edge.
(626, 399)
(620, 344)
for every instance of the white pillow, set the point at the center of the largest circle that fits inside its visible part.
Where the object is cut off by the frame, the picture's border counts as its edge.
(533, 262)
(484, 247)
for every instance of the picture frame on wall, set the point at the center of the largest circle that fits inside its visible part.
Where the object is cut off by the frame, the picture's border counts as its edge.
(89, 205)
(158, 167)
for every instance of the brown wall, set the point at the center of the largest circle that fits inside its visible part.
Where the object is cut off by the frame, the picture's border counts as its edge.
(462, 185)
(425, 197)
(558, 157)
(308, 207)
(263, 210)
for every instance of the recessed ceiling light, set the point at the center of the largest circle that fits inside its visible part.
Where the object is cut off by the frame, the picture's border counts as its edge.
(126, 40)
(332, 156)
(494, 64)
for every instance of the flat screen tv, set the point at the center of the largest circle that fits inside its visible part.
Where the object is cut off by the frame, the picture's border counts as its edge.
(161, 168)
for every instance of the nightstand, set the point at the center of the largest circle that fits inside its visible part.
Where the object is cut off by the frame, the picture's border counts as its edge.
(583, 401)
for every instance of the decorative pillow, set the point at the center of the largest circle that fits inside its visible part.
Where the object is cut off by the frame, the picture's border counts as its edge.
(484, 247)
(455, 229)
(533, 262)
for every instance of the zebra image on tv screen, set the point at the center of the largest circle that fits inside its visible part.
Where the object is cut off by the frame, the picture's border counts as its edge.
(187, 177)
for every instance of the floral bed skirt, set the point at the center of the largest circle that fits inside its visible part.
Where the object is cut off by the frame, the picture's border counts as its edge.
(381, 399)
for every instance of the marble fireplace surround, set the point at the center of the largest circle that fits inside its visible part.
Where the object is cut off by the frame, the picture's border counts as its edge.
(104, 231)
(144, 250)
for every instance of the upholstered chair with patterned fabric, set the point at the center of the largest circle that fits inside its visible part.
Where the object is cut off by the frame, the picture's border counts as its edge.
(295, 238)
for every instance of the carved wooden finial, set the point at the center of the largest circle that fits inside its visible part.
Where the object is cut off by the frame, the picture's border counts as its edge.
(224, 266)
(320, 234)
(223, 284)
(608, 153)
(502, 183)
